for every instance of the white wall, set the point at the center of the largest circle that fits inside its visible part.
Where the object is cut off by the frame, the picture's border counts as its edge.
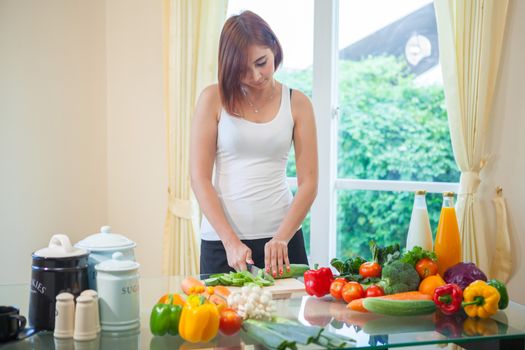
(53, 174)
(506, 165)
(137, 160)
(82, 131)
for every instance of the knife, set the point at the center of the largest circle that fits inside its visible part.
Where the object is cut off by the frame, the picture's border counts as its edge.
(254, 270)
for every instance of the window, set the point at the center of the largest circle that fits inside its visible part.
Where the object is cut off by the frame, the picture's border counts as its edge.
(375, 81)
(392, 123)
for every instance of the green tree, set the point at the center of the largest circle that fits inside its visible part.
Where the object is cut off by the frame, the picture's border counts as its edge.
(390, 128)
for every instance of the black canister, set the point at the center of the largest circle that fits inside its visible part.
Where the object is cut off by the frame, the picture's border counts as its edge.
(55, 269)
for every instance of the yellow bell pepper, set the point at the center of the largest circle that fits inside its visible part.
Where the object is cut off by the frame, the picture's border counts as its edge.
(476, 326)
(480, 299)
(199, 321)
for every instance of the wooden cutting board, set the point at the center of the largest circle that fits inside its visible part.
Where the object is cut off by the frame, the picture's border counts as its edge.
(282, 289)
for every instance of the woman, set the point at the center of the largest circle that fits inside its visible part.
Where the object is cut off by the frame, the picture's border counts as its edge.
(245, 125)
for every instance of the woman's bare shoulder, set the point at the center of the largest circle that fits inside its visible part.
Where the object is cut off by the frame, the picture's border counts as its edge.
(301, 104)
(210, 94)
(209, 100)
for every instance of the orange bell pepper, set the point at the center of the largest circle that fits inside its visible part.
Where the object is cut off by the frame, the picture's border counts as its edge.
(172, 299)
(429, 284)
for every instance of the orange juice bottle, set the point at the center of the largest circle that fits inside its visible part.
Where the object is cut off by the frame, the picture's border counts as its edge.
(448, 243)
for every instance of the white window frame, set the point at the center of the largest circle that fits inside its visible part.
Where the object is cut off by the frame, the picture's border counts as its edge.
(323, 215)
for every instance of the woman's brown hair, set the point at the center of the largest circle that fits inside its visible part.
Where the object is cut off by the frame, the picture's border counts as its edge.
(238, 33)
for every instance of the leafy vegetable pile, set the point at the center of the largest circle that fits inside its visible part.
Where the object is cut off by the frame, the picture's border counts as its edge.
(349, 268)
(240, 279)
(398, 273)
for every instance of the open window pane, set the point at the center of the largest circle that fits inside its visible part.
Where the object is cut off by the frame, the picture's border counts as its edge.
(380, 215)
(393, 122)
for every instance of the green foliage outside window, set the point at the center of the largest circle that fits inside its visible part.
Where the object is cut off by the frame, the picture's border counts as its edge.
(389, 129)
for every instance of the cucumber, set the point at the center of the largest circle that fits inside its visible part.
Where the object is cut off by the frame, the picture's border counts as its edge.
(296, 270)
(399, 307)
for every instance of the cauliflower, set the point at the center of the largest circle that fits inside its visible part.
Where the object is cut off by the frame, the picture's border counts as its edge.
(399, 277)
(252, 302)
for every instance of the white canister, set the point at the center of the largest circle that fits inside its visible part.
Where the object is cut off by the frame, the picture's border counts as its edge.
(118, 293)
(101, 246)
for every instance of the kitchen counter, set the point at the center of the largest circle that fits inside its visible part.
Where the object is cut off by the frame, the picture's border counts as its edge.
(505, 330)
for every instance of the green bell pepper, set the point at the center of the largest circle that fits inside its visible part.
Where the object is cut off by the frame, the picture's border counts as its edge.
(502, 290)
(165, 318)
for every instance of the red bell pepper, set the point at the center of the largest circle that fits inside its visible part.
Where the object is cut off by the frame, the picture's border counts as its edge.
(317, 281)
(448, 298)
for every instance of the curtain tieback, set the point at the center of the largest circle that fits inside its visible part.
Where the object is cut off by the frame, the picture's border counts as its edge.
(181, 208)
(469, 182)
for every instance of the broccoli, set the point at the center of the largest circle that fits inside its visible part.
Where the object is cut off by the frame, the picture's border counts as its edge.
(399, 277)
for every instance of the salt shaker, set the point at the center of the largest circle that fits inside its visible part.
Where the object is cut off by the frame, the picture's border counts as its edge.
(85, 326)
(64, 316)
(94, 295)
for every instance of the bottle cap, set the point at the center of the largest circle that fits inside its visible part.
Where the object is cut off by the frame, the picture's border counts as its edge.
(421, 192)
(448, 194)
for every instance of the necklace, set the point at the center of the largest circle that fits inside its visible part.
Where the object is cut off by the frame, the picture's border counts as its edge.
(264, 103)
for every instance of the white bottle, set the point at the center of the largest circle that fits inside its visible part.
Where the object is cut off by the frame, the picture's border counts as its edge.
(419, 233)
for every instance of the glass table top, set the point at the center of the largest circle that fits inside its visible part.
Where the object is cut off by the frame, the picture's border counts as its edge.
(371, 331)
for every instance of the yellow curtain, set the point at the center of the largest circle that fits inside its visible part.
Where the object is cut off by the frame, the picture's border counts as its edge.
(501, 267)
(470, 39)
(191, 36)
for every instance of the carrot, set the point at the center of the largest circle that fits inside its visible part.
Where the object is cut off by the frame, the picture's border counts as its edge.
(191, 285)
(218, 300)
(222, 291)
(357, 305)
(413, 295)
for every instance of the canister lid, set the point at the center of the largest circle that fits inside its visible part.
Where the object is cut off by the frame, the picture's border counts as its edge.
(105, 240)
(60, 247)
(117, 263)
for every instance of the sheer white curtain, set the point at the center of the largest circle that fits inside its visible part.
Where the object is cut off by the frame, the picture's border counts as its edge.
(191, 37)
(470, 38)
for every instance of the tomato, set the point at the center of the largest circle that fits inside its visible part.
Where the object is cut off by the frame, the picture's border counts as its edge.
(230, 322)
(374, 291)
(351, 291)
(370, 269)
(426, 267)
(337, 287)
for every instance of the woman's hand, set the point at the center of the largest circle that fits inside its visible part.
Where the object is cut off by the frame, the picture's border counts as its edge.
(238, 254)
(276, 256)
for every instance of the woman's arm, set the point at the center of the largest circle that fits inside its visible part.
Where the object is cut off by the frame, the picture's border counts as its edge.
(203, 147)
(305, 144)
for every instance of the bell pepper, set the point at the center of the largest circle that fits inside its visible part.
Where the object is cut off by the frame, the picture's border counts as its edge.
(448, 298)
(449, 325)
(172, 299)
(476, 326)
(317, 281)
(165, 316)
(199, 321)
(315, 312)
(480, 299)
(502, 290)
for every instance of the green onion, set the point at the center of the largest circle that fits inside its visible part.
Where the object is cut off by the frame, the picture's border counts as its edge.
(267, 337)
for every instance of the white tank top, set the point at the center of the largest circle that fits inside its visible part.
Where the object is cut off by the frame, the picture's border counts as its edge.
(250, 173)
